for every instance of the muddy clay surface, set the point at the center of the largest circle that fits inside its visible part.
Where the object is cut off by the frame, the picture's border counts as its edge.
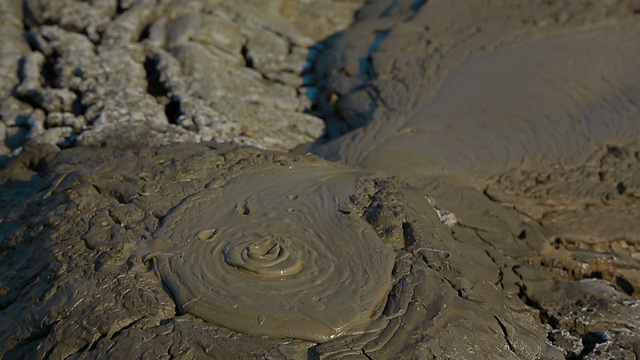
(471, 187)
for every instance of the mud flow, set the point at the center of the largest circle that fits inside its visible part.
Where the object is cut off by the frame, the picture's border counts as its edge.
(320, 179)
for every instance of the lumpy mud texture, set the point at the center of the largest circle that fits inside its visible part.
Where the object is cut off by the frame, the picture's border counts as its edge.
(121, 72)
(482, 202)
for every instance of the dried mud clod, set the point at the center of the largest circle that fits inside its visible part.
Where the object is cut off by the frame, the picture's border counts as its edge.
(112, 70)
(589, 293)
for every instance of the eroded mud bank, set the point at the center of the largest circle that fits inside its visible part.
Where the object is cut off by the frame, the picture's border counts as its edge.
(484, 204)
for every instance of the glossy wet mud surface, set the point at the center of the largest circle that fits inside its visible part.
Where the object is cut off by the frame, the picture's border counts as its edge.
(482, 202)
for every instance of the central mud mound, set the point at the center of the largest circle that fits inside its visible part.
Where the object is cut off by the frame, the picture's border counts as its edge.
(194, 250)
(263, 257)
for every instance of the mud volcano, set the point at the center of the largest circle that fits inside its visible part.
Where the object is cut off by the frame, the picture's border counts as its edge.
(319, 179)
(280, 260)
(236, 258)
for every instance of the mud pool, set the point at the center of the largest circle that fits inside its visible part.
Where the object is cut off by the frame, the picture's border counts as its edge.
(320, 179)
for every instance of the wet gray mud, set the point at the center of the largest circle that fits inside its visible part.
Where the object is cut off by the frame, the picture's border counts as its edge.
(474, 193)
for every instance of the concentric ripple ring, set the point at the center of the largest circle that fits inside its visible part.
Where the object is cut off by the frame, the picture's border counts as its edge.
(270, 254)
(265, 257)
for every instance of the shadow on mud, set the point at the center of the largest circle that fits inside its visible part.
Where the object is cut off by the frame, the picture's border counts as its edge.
(339, 74)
